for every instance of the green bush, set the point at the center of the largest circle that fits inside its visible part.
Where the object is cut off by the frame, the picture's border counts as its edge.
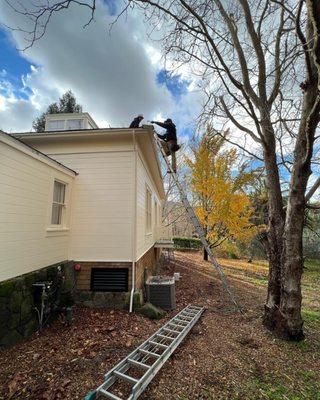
(232, 255)
(187, 243)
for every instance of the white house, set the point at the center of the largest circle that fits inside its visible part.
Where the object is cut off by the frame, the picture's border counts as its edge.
(83, 194)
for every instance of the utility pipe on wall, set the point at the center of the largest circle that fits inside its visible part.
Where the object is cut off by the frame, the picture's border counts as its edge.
(134, 222)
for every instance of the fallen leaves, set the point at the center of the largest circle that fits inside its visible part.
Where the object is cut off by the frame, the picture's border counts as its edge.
(219, 358)
(14, 383)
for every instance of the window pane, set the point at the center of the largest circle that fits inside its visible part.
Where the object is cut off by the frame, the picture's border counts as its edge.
(56, 214)
(59, 192)
(148, 210)
(56, 125)
(73, 124)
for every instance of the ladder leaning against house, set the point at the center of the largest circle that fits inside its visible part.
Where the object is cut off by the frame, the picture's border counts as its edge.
(196, 223)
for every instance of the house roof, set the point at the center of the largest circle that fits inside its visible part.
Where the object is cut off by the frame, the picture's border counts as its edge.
(144, 136)
(27, 149)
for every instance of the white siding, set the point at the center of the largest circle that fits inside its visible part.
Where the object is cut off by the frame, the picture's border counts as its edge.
(144, 239)
(102, 205)
(26, 198)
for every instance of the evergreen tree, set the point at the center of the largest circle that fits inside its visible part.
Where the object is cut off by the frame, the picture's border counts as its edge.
(67, 104)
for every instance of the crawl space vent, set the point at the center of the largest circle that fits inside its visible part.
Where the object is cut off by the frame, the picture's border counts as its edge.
(109, 279)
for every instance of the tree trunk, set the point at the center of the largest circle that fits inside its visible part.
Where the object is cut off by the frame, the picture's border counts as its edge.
(290, 323)
(275, 233)
(205, 254)
(289, 320)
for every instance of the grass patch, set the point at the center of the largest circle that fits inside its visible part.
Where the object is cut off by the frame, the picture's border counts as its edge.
(311, 315)
(308, 389)
(257, 281)
(312, 265)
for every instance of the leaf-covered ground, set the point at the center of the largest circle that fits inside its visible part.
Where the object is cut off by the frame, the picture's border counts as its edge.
(226, 355)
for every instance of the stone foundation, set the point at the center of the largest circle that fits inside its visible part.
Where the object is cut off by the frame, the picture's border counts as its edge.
(108, 300)
(114, 300)
(18, 317)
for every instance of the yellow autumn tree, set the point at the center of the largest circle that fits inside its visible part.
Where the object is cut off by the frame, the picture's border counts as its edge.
(218, 187)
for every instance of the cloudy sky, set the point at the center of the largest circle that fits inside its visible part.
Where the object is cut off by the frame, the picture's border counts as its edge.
(114, 75)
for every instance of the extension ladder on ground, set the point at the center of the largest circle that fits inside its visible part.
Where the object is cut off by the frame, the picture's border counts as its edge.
(149, 357)
(195, 221)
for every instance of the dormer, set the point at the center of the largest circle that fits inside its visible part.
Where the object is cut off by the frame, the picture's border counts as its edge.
(69, 122)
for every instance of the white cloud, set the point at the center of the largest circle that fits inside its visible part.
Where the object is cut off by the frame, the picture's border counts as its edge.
(112, 75)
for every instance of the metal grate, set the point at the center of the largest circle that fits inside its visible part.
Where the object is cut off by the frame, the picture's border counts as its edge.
(109, 279)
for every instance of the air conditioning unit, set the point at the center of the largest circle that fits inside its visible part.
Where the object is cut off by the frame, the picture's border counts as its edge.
(161, 292)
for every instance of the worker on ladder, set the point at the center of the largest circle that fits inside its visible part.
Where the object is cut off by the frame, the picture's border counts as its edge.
(169, 141)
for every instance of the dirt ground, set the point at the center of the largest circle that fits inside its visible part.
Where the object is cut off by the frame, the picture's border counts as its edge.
(226, 355)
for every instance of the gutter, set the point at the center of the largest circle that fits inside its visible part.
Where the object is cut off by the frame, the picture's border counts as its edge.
(134, 224)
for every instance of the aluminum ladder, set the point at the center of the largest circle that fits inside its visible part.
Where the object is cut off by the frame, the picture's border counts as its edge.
(196, 223)
(149, 357)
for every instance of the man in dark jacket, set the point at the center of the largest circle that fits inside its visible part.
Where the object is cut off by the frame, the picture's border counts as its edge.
(136, 122)
(169, 140)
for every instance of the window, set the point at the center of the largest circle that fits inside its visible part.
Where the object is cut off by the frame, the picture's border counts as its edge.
(148, 210)
(156, 217)
(109, 279)
(159, 215)
(56, 125)
(74, 124)
(58, 203)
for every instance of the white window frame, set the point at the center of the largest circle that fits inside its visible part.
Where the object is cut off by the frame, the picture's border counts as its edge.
(156, 213)
(70, 121)
(61, 122)
(148, 210)
(63, 205)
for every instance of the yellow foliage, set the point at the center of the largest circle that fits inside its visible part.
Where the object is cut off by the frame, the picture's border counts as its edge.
(222, 205)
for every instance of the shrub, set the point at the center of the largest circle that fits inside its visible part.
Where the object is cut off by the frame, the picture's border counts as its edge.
(187, 243)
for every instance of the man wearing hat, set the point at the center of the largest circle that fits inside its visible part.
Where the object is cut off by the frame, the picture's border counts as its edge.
(136, 122)
(169, 140)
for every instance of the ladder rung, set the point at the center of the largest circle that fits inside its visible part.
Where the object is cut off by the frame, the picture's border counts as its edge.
(125, 377)
(185, 314)
(109, 395)
(171, 330)
(188, 315)
(138, 363)
(182, 321)
(177, 326)
(163, 346)
(149, 353)
(165, 337)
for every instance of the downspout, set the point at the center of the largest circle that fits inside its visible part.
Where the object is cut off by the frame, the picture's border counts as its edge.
(134, 223)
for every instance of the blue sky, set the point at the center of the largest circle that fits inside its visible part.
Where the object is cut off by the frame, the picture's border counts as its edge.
(176, 85)
(12, 65)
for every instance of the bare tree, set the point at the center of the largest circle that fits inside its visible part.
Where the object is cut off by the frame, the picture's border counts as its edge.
(250, 57)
